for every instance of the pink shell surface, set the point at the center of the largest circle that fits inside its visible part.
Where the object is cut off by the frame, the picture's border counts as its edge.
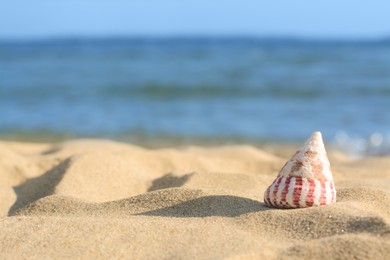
(298, 192)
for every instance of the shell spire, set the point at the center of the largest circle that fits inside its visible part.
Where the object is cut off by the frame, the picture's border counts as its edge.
(305, 180)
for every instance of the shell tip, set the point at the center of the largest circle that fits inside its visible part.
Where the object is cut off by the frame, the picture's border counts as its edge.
(316, 134)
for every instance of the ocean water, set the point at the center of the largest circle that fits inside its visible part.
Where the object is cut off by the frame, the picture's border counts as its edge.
(213, 89)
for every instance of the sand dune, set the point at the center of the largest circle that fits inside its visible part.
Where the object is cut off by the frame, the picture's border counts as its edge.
(102, 199)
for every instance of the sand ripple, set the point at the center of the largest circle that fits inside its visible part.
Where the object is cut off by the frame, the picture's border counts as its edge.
(91, 198)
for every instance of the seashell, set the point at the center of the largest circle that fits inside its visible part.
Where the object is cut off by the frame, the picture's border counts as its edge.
(305, 180)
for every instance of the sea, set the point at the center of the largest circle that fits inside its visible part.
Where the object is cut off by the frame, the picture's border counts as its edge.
(210, 90)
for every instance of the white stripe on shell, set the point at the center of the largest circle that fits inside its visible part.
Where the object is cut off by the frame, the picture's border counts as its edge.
(280, 190)
(317, 192)
(305, 190)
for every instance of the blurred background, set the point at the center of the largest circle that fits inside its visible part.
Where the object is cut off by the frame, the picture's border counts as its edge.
(201, 72)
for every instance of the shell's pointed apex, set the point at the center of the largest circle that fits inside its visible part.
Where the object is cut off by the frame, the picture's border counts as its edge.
(310, 161)
(315, 142)
(316, 134)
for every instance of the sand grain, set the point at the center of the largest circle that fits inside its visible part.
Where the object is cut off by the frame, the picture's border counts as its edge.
(103, 199)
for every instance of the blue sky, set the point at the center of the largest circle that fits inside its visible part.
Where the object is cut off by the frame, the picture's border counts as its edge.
(302, 18)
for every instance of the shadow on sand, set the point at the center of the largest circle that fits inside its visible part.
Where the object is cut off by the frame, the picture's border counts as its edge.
(169, 181)
(39, 187)
(209, 206)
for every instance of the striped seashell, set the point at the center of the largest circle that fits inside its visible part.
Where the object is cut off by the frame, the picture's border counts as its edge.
(305, 180)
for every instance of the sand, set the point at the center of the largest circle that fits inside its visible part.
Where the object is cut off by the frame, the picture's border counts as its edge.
(103, 199)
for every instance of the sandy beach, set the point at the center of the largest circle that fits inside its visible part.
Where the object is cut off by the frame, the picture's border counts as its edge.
(104, 199)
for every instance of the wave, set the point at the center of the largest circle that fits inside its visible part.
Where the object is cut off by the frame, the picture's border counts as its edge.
(188, 91)
(375, 144)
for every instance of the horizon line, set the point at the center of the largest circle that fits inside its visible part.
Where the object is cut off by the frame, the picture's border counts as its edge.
(191, 37)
